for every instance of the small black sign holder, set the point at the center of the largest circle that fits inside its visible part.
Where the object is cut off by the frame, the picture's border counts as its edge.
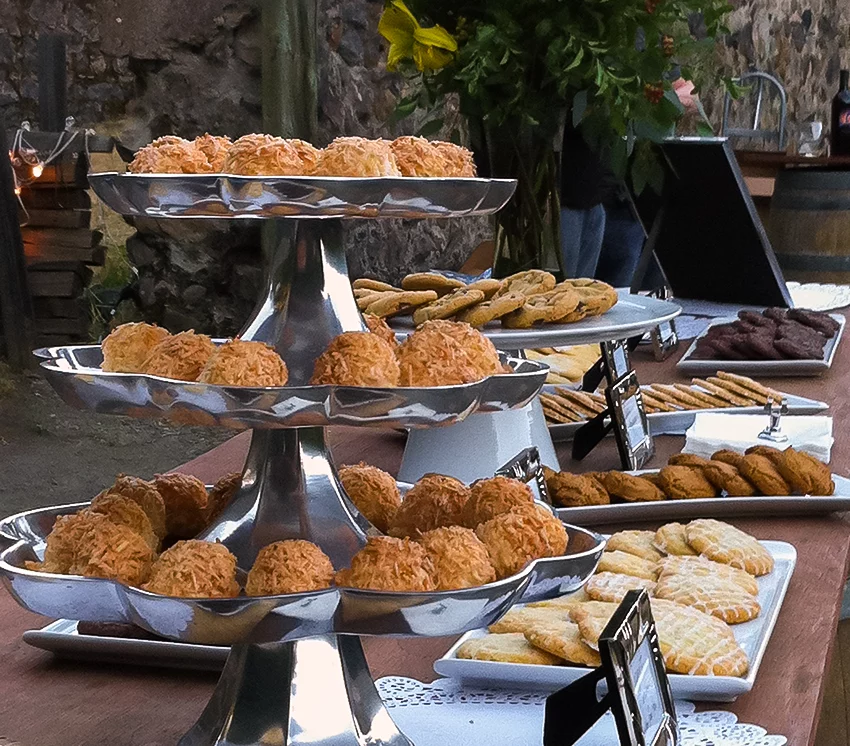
(638, 691)
(625, 412)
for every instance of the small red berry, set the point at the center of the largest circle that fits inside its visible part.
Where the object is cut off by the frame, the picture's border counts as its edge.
(653, 92)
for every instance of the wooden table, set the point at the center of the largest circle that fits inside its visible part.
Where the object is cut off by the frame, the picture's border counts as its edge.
(45, 702)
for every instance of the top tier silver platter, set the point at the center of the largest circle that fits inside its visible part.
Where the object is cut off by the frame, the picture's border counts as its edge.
(230, 196)
(633, 315)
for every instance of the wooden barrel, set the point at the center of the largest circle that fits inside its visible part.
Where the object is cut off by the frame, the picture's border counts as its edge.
(809, 225)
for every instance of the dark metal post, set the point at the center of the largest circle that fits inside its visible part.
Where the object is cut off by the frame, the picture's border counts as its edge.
(52, 85)
(15, 302)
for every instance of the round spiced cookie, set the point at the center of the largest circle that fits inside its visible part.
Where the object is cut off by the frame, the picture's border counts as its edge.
(805, 473)
(544, 307)
(687, 459)
(490, 310)
(727, 457)
(774, 454)
(575, 490)
(631, 488)
(760, 471)
(685, 482)
(447, 306)
(728, 479)
(528, 283)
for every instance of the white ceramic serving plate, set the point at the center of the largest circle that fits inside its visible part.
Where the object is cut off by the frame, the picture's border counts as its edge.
(695, 367)
(752, 636)
(710, 507)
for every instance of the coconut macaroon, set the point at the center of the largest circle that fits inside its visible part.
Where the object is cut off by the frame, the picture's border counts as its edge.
(264, 155)
(357, 156)
(180, 356)
(69, 534)
(457, 159)
(357, 359)
(491, 497)
(417, 156)
(380, 327)
(123, 510)
(127, 346)
(115, 552)
(215, 148)
(170, 155)
(388, 564)
(194, 569)
(146, 496)
(445, 353)
(221, 493)
(292, 566)
(186, 504)
(373, 492)
(241, 363)
(460, 559)
(434, 501)
(520, 536)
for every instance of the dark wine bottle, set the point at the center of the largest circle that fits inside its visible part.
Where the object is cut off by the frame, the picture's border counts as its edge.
(840, 123)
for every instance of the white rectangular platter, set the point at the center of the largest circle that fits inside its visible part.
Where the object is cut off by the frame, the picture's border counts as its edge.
(752, 636)
(710, 507)
(692, 366)
(676, 423)
(62, 638)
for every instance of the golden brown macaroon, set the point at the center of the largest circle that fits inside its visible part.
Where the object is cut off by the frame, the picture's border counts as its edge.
(186, 501)
(460, 559)
(70, 535)
(242, 363)
(146, 496)
(180, 356)
(373, 492)
(457, 160)
(127, 346)
(575, 490)
(631, 488)
(388, 564)
(416, 156)
(215, 148)
(520, 536)
(264, 155)
(446, 353)
(170, 155)
(357, 359)
(727, 478)
(357, 156)
(685, 482)
(491, 497)
(761, 472)
(194, 569)
(380, 327)
(123, 510)
(292, 566)
(116, 552)
(432, 502)
(221, 493)
(806, 474)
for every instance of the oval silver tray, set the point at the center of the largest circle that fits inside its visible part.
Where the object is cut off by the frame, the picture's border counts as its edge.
(75, 373)
(226, 621)
(232, 196)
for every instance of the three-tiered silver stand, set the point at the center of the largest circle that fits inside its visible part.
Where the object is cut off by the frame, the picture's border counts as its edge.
(296, 673)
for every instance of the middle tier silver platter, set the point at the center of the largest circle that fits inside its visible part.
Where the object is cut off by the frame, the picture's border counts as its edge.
(76, 375)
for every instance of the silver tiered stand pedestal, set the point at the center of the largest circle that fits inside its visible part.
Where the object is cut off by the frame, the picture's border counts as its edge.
(296, 673)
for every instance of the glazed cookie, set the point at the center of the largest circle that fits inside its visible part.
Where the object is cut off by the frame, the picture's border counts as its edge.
(631, 488)
(390, 304)
(509, 648)
(528, 283)
(727, 478)
(612, 586)
(487, 286)
(490, 310)
(448, 305)
(805, 473)
(671, 539)
(638, 543)
(520, 618)
(720, 597)
(761, 471)
(562, 639)
(685, 482)
(542, 308)
(702, 567)
(623, 563)
(440, 284)
(724, 543)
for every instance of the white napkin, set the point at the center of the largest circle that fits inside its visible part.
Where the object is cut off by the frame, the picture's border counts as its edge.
(714, 431)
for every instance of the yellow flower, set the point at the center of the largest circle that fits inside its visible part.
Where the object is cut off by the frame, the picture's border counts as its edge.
(430, 48)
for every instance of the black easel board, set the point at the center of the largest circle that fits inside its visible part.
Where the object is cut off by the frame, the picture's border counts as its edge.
(707, 235)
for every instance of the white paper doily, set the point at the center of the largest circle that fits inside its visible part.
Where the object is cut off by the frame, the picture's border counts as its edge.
(445, 713)
(819, 297)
